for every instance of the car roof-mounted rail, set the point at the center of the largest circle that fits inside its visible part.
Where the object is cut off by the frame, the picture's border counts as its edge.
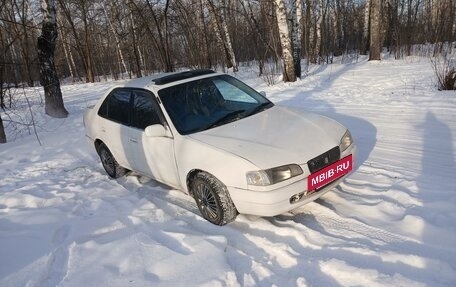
(181, 76)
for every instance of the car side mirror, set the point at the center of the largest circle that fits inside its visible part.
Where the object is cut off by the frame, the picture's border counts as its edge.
(156, 131)
(263, 93)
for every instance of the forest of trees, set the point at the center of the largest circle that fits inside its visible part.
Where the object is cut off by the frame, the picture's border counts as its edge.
(130, 38)
(104, 39)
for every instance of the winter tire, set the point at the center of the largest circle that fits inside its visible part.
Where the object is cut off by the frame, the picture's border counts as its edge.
(112, 168)
(213, 199)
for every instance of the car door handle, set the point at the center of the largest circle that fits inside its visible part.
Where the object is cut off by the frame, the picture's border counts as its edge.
(133, 140)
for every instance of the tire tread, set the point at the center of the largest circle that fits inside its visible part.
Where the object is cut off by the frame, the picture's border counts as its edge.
(229, 211)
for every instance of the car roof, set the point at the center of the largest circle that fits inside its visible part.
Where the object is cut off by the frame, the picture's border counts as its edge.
(181, 76)
(169, 79)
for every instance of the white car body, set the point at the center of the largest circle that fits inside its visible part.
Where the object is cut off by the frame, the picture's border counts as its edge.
(272, 138)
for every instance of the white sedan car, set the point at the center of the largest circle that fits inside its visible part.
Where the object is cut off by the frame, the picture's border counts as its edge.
(220, 141)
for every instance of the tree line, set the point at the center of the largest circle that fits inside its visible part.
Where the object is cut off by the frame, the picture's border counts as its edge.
(134, 37)
(130, 38)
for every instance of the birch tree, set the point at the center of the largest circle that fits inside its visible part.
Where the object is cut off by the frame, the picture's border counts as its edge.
(308, 23)
(319, 24)
(282, 22)
(375, 43)
(137, 58)
(367, 17)
(54, 106)
(116, 38)
(221, 31)
(65, 40)
(296, 31)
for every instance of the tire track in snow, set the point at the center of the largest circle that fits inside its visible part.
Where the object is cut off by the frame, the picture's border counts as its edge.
(245, 240)
(313, 232)
(363, 247)
(333, 224)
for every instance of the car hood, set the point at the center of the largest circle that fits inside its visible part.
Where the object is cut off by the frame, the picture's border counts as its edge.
(276, 136)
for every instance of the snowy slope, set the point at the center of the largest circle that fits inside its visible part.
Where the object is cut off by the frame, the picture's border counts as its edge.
(63, 222)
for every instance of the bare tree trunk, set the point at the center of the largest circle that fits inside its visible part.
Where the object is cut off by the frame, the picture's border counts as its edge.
(408, 32)
(54, 106)
(219, 39)
(116, 38)
(221, 30)
(282, 22)
(229, 46)
(367, 18)
(135, 46)
(392, 31)
(142, 61)
(317, 51)
(169, 62)
(338, 28)
(67, 58)
(2, 131)
(296, 15)
(375, 41)
(206, 47)
(88, 51)
(429, 26)
(453, 20)
(67, 50)
(308, 27)
(2, 105)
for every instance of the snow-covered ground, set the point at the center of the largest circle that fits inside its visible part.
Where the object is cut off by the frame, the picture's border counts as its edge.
(63, 222)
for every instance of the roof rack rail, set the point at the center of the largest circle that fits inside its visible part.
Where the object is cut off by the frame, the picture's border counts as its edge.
(181, 76)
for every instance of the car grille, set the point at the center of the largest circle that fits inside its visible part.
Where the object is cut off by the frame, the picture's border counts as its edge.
(323, 160)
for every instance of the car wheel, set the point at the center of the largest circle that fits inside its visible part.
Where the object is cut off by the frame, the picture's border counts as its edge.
(112, 168)
(213, 199)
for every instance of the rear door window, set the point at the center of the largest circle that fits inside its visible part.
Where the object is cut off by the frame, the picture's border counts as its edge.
(116, 106)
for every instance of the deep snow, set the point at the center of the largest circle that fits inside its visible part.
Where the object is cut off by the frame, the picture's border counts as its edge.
(392, 222)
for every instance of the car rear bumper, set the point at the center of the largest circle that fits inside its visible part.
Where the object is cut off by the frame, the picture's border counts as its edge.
(281, 200)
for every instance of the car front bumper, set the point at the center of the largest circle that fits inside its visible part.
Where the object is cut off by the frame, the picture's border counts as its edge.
(280, 200)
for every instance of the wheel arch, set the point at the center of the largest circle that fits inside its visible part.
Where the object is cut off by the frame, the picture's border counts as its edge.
(97, 143)
(190, 177)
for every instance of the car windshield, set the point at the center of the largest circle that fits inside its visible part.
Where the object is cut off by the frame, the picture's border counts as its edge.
(206, 103)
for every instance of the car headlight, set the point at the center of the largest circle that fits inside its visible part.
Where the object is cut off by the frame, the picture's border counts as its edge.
(273, 175)
(345, 141)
